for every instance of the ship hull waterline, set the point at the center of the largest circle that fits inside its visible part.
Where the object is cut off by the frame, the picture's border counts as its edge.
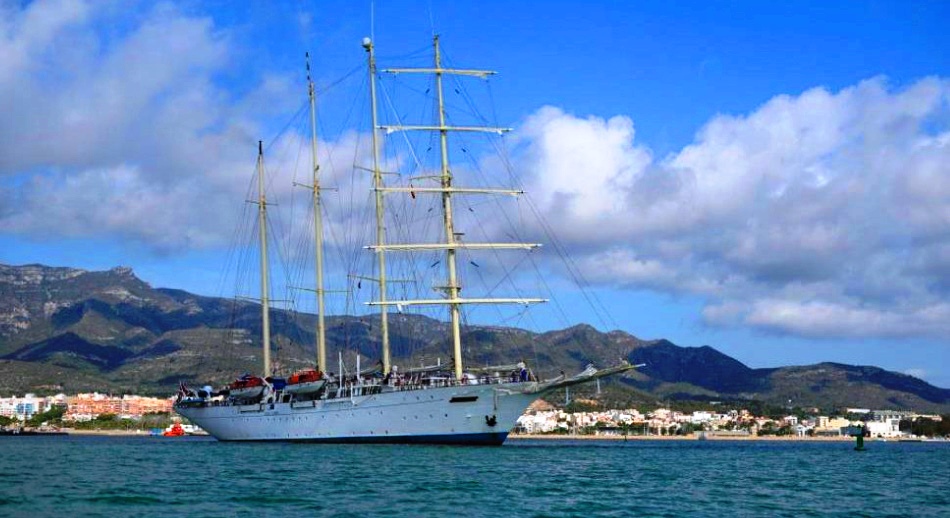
(458, 415)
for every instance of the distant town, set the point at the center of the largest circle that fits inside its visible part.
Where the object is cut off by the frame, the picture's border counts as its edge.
(91, 411)
(735, 423)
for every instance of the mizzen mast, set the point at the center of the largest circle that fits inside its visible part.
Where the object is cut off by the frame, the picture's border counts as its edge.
(451, 245)
(265, 288)
(317, 228)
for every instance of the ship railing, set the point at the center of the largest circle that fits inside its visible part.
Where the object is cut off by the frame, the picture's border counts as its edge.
(427, 382)
(372, 386)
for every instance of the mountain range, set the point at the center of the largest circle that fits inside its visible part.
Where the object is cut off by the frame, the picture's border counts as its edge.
(67, 329)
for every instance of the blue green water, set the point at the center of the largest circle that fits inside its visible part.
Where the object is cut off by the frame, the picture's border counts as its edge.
(139, 476)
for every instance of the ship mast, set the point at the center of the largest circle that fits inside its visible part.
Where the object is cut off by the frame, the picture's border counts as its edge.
(317, 229)
(265, 289)
(451, 245)
(380, 229)
(452, 288)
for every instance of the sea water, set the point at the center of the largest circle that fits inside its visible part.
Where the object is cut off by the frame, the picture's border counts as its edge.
(150, 476)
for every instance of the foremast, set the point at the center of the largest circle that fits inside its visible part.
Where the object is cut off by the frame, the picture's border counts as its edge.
(262, 231)
(451, 245)
(321, 331)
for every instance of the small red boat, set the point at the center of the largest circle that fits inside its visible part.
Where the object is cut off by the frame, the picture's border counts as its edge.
(308, 381)
(175, 430)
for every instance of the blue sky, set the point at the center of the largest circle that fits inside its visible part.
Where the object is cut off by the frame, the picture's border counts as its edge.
(771, 180)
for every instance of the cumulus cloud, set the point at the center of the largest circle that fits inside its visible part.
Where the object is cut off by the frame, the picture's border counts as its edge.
(118, 125)
(123, 125)
(817, 318)
(823, 214)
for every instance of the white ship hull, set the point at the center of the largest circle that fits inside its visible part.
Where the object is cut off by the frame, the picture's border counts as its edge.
(465, 414)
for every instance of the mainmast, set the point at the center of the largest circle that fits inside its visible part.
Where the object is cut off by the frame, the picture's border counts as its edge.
(265, 289)
(380, 229)
(446, 190)
(317, 229)
(452, 288)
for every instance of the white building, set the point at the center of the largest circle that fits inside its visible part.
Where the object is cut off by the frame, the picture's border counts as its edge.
(23, 408)
(887, 428)
(540, 422)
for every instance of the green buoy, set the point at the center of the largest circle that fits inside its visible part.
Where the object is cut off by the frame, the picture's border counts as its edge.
(858, 432)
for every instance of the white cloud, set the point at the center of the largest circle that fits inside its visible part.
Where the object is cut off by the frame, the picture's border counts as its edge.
(119, 201)
(124, 125)
(77, 99)
(825, 319)
(119, 132)
(585, 163)
(25, 35)
(825, 214)
(118, 124)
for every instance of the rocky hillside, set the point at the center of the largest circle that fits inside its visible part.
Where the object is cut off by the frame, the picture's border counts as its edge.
(74, 330)
(703, 372)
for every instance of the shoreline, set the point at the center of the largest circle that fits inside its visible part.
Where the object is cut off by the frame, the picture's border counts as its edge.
(553, 437)
(116, 433)
(548, 437)
(123, 433)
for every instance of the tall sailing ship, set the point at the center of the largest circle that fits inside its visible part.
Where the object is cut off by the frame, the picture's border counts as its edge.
(434, 404)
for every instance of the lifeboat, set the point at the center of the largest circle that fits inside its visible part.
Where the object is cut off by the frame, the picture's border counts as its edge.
(308, 381)
(175, 430)
(246, 387)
